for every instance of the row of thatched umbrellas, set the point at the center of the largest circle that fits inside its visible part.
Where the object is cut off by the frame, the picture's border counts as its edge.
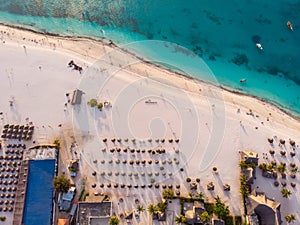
(132, 150)
(8, 189)
(4, 209)
(8, 182)
(282, 141)
(117, 173)
(11, 157)
(6, 202)
(164, 186)
(13, 151)
(16, 146)
(283, 183)
(133, 140)
(138, 162)
(8, 195)
(14, 164)
(282, 152)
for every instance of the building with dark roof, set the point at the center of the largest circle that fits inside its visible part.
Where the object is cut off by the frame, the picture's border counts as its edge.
(267, 210)
(94, 213)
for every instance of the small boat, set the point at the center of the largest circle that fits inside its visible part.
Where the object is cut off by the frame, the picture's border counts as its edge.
(289, 25)
(243, 80)
(259, 46)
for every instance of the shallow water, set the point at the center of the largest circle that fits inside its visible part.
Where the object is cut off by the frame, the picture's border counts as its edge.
(223, 36)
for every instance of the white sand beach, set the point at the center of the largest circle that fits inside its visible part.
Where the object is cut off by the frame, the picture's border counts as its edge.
(148, 102)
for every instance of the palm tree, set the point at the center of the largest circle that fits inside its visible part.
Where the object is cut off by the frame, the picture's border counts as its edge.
(281, 168)
(162, 206)
(191, 195)
(152, 209)
(114, 220)
(200, 196)
(168, 194)
(290, 218)
(180, 219)
(285, 193)
(140, 209)
(204, 216)
(243, 164)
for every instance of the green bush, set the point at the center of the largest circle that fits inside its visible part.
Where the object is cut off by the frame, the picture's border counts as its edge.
(228, 220)
(92, 102)
(209, 207)
(188, 180)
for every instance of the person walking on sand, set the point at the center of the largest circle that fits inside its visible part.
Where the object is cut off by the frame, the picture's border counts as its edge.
(25, 49)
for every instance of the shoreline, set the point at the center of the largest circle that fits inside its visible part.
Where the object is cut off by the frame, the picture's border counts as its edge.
(111, 44)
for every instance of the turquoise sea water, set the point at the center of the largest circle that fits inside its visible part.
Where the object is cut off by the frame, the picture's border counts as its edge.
(223, 33)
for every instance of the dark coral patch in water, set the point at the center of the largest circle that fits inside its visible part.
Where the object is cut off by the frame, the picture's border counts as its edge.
(240, 59)
(256, 38)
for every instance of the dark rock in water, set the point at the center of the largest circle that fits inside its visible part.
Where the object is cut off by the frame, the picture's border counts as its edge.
(256, 38)
(212, 58)
(240, 59)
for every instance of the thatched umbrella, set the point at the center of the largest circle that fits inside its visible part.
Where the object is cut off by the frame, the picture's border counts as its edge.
(93, 185)
(6, 126)
(112, 150)
(126, 139)
(156, 185)
(133, 140)
(292, 175)
(273, 162)
(177, 192)
(113, 140)
(169, 161)
(156, 173)
(138, 150)
(164, 186)
(282, 141)
(226, 187)
(102, 185)
(123, 174)
(177, 186)
(163, 150)
(143, 150)
(136, 186)
(122, 185)
(129, 185)
(170, 186)
(164, 173)
(149, 185)
(156, 161)
(108, 185)
(162, 140)
(102, 173)
(158, 151)
(163, 161)
(119, 140)
(149, 174)
(116, 185)
(124, 161)
(117, 173)
(282, 152)
(293, 184)
(283, 183)
(150, 151)
(119, 149)
(271, 151)
(292, 164)
(132, 150)
(143, 174)
(150, 161)
(150, 140)
(292, 154)
(104, 140)
(170, 174)
(117, 161)
(157, 140)
(135, 174)
(143, 186)
(110, 161)
(170, 140)
(125, 150)
(143, 161)
(131, 162)
(130, 174)
(292, 142)
(177, 140)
